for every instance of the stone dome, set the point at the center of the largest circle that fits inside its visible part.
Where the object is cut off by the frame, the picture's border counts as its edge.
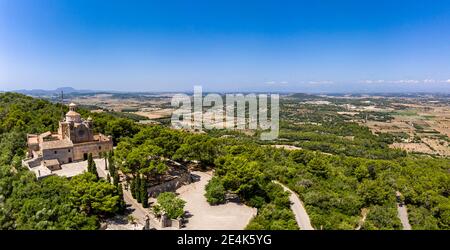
(72, 115)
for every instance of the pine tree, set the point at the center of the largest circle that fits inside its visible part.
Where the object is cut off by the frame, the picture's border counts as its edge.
(106, 158)
(133, 188)
(137, 187)
(89, 162)
(112, 167)
(143, 193)
(111, 160)
(122, 204)
(116, 178)
(91, 166)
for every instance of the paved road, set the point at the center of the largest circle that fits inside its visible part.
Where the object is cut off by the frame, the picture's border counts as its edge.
(403, 215)
(301, 216)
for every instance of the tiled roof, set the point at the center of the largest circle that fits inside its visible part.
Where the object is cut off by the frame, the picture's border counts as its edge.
(53, 162)
(72, 113)
(57, 144)
(46, 134)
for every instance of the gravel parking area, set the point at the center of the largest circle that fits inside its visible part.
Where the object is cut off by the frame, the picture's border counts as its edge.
(204, 216)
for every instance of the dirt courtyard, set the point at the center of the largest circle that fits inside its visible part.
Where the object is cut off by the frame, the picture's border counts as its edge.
(204, 216)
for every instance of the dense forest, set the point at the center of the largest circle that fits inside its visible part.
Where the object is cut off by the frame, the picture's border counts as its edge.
(342, 170)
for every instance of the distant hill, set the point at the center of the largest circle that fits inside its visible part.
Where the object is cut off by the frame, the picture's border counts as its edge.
(303, 96)
(40, 92)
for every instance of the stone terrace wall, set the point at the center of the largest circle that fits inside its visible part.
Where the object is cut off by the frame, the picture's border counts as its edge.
(169, 186)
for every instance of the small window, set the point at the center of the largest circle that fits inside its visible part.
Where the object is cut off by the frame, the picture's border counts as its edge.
(68, 150)
(99, 147)
(56, 152)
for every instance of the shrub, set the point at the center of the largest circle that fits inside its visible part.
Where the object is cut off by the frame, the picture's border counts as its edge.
(170, 204)
(215, 192)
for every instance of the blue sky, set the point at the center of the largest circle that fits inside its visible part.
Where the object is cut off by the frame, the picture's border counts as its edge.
(302, 46)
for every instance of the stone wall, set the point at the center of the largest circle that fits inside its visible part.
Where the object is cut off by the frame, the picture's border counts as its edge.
(81, 132)
(95, 148)
(164, 221)
(169, 186)
(63, 155)
(31, 163)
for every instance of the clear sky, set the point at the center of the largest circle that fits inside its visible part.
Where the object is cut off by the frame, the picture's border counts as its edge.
(303, 46)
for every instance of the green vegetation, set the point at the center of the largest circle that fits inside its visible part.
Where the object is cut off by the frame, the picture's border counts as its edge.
(169, 204)
(270, 217)
(409, 112)
(130, 116)
(143, 194)
(342, 169)
(54, 202)
(275, 215)
(92, 168)
(334, 188)
(334, 138)
(215, 192)
(382, 218)
(94, 197)
(425, 185)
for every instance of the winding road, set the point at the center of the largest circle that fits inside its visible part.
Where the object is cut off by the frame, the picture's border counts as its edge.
(297, 207)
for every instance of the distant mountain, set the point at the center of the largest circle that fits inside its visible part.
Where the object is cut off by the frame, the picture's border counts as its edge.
(304, 96)
(41, 92)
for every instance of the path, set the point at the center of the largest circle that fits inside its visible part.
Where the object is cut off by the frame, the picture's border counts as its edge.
(201, 215)
(297, 207)
(364, 213)
(137, 210)
(402, 213)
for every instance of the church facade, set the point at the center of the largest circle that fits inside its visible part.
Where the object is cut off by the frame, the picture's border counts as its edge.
(74, 141)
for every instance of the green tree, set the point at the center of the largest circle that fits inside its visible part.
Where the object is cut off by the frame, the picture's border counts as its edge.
(133, 188)
(92, 168)
(155, 169)
(382, 218)
(143, 193)
(122, 204)
(92, 196)
(200, 148)
(375, 192)
(111, 164)
(170, 204)
(319, 166)
(116, 178)
(271, 217)
(137, 188)
(120, 128)
(215, 192)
